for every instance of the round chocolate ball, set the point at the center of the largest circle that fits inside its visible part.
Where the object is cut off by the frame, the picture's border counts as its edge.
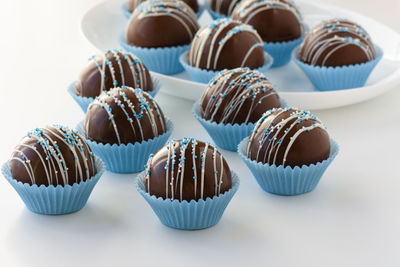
(274, 20)
(224, 7)
(54, 155)
(337, 42)
(114, 68)
(132, 4)
(156, 23)
(226, 44)
(122, 116)
(187, 170)
(238, 96)
(288, 137)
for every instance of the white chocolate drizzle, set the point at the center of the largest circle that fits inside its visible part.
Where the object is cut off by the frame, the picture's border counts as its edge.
(207, 36)
(230, 89)
(137, 69)
(232, 5)
(145, 108)
(178, 10)
(328, 35)
(274, 128)
(174, 178)
(52, 158)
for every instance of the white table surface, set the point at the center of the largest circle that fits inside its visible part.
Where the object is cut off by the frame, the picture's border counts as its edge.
(351, 219)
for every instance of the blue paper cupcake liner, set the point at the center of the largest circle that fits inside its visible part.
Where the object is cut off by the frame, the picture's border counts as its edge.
(128, 158)
(193, 215)
(204, 76)
(127, 14)
(281, 52)
(338, 78)
(214, 15)
(84, 102)
(54, 200)
(125, 10)
(200, 11)
(164, 60)
(225, 136)
(287, 181)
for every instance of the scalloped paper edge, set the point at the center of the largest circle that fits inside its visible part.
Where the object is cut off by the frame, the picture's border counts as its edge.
(139, 183)
(296, 57)
(71, 90)
(268, 61)
(81, 131)
(332, 156)
(98, 163)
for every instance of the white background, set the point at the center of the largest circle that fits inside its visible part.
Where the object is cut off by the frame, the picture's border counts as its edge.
(351, 219)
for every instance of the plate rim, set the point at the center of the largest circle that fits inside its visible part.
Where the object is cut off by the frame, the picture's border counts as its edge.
(385, 84)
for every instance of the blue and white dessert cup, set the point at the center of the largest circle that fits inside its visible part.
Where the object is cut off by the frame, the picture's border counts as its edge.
(127, 158)
(341, 77)
(226, 136)
(287, 181)
(54, 200)
(184, 215)
(125, 10)
(281, 52)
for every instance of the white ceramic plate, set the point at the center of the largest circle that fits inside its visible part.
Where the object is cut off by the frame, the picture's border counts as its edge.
(102, 25)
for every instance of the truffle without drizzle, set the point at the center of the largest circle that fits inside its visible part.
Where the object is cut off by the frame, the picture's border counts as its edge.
(337, 42)
(238, 96)
(288, 137)
(124, 115)
(226, 44)
(274, 20)
(114, 68)
(54, 155)
(156, 23)
(187, 170)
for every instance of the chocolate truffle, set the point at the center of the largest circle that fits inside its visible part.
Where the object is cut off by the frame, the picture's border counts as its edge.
(226, 44)
(238, 96)
(187, 170)
(274, 20)
(132, 4)
(54, 155)
(113, 69)
(122, 116)
(288, 137)
(337, 42)
(224, 7)
(156, 23)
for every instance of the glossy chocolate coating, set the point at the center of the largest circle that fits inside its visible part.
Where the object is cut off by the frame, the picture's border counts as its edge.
(226, 44)
(274, 20)
(124, 115)
(115, 68)
(156, 23)
(53, 155)
(337, 42)
(224, 7)
(274, 132)
(187, 179)
(238, 96)
(132, 4)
